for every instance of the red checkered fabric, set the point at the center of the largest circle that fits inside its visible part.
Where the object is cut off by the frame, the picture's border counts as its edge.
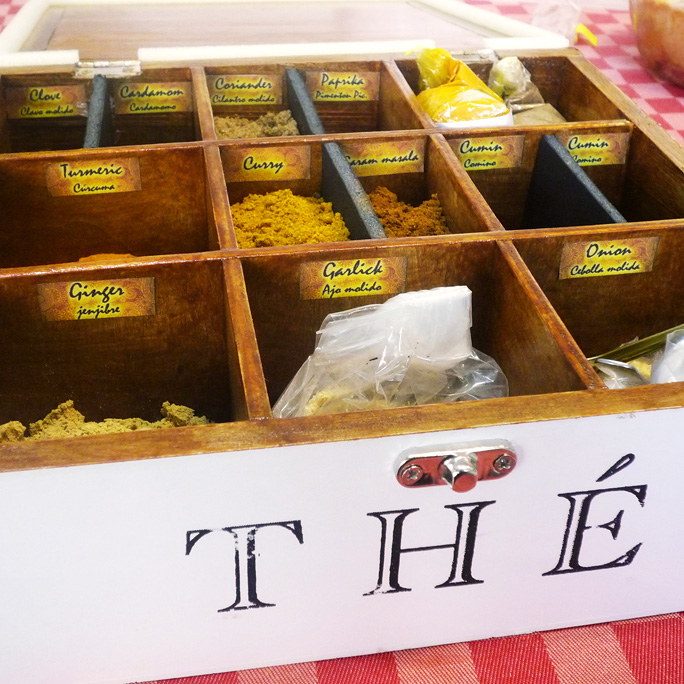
(641, 651)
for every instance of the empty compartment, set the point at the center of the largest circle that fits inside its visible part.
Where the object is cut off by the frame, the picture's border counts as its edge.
(157, 106)
(613, 286)
(43, 112)
(418, 170)
(353, 97)
(298, 171)
(62, 208)
(291, 293)
(611, 158)
(574, 88)
(119, 341)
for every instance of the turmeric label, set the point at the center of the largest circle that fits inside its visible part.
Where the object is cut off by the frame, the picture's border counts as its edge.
(403, 220)
(152, 98)
(241, 89)
(386, 157)
(608, 257)
(291, 162)
(283, 218)
(46, 101)
(352, 278)
(93, 177)
(596, 149)
(97, 299)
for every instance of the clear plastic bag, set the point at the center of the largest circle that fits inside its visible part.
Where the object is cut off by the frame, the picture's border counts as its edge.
(413, 349)
(670, 366)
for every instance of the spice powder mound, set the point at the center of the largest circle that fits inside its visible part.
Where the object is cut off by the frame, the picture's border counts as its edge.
(269, 125)
(403, 220)
(283, 218)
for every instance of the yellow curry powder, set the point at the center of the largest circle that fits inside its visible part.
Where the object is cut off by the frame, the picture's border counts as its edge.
(283, 218)
(402, 220)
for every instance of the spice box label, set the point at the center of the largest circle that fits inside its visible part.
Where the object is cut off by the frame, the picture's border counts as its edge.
(383, 158)
(607, 257)
(99, 176)
(46, 101)
(152, 98)
(595, 149)
(240, 89)
(345, 86)
(291, 162)
(352, 278)
(503, 152)
(96, 299)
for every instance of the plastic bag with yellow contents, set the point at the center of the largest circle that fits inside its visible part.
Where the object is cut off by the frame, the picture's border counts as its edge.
(454, 95)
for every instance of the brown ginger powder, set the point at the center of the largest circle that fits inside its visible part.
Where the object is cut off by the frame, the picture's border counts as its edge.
(283, 218)
(403, 220)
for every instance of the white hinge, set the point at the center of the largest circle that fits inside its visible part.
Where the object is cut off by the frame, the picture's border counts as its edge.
(112, 68)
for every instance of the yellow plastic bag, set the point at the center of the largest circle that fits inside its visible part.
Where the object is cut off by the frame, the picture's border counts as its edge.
(453, 92)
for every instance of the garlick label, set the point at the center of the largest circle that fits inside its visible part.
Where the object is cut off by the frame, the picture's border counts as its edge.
(352, 278)
(383, 158)
(607, 257)
(292, 162)
(95, 299)
(594, 149)
(242, 89)
(93, 177)
(343, 86)
(46, 101)
(503, 152)
(152, 98)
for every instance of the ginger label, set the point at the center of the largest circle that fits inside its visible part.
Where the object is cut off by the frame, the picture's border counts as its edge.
(502, 152)
(46, 101)
(93, 177)
(607, 257)
(383, 158)
(152, 98)
(242, 89)
(96, 299)
(352, 278)
(345, 86)
(292, 162)
(595, 149)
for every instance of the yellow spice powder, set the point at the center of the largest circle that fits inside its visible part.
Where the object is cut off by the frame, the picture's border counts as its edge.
(283, 218)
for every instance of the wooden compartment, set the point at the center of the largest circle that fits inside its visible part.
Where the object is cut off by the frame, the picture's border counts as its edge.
(610, 155)
(307, 168)
(508, 321)
(566, 81)
(42, 112)
(163, 207)
(415, 168)
(169, 340)
(604, 308)
(157, 106)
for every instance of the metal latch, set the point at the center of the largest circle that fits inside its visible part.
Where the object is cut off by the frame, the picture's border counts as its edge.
(117, 68)
(460, 468)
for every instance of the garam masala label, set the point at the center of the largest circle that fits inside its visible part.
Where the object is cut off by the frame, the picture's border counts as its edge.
(97, 299)
(385, 157)
(46, 101)
(93, 176)
(239, 89)
(291, 162)
(607, 257)
(501, 152)
(352, 278)
(152, 98)
(343, 86)
(596, 149)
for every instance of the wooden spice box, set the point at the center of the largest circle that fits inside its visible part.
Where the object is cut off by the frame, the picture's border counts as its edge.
(296, 533)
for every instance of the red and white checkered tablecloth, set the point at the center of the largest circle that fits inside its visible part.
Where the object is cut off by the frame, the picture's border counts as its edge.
(641, 651)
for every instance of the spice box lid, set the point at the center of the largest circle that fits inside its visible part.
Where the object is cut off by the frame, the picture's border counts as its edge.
(59, 32)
